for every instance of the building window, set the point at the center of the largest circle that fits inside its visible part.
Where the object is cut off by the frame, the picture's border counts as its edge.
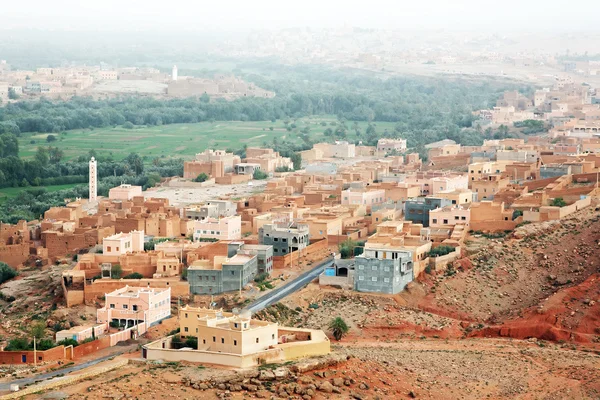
(386, 280)
(386, 269)
(185, 329)
(125, 306)
(203, 341)
(256, 340)
(374, 279)
(235, 325)
(273, 336)
(214, 339)
(112, 306)
(374, 267)
(463, 218)
(235, 342)
(135, 308)
(361, 267)
(222, 340)
(456, 217)
(434, 221)
(361, 278)
(186, 315)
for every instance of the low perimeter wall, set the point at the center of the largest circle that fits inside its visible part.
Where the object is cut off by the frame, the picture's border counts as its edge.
(155, 351)
(28, 357)
(292, 258)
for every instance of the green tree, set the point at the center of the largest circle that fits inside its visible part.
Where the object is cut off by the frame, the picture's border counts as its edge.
(259, 175)
(38, 331)
(12, 95)
(134, 275)
(116, 271)
(50, 138)
(558, 202)
(6, 272)
(55, 154)
(201, 178)
(338, 328)
(297, 160)
(42, 156)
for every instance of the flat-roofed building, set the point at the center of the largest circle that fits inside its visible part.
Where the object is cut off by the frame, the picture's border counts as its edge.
(130, 306)
(123, 243)
(226, 228)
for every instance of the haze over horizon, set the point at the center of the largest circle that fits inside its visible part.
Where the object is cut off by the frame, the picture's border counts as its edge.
(236, 15)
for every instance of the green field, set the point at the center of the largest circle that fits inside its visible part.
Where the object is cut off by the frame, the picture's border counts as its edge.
(179, 140)
(11, 192)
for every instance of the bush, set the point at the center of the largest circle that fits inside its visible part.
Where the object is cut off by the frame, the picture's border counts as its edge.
(6, 272)
(17, 344)
(50, 138)
(45, 344)
(338, 328)
(441, 251)
(68, 342)
(259, 175)
(116, 271)
(135, 275)
(201, 178)
(192, 342)
(261, 277)
(128, 125)
(558, 202)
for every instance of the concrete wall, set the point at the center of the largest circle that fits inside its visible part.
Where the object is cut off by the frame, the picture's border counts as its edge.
(440, 263)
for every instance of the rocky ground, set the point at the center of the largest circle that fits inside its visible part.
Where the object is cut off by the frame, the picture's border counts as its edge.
(429, 369)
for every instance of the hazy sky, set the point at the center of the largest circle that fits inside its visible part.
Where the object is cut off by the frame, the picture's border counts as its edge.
(202, 15)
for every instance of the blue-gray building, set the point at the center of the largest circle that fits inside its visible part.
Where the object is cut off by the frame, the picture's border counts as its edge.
(417, 210)
(383, 270)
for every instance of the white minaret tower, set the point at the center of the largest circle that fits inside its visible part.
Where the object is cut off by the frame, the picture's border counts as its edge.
(174, 73)
(93, 180)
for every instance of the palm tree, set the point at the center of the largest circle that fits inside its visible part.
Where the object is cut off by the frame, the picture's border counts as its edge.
(338, 328)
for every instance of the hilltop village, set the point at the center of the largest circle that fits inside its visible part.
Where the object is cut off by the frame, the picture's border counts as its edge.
(195, 281)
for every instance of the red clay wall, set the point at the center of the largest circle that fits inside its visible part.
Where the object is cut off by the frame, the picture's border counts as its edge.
(91, 347)
(15, 357)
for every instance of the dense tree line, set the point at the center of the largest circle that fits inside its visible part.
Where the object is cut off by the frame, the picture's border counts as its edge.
(31, 203)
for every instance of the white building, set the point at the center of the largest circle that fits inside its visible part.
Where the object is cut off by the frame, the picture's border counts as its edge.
(123, 243)
(391, 145)
(226, 228)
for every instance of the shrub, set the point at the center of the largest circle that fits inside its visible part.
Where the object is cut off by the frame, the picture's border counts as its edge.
(192, 342)
(135, 275)
(201, 178)
(558, 202)
(338, 328)
(50, 138)
(441, 251)
(259, 175)
(128, 125)
(68, 342)
(45, 344)
(116, 271)
(261, 277)
(17, 344)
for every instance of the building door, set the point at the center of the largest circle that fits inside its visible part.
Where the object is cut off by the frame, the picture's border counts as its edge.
(24, 358)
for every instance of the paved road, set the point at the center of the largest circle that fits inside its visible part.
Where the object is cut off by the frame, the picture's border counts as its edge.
(5, 386)
(289, 288)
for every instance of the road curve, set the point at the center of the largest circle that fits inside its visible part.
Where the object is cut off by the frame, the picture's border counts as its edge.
(289, 288)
